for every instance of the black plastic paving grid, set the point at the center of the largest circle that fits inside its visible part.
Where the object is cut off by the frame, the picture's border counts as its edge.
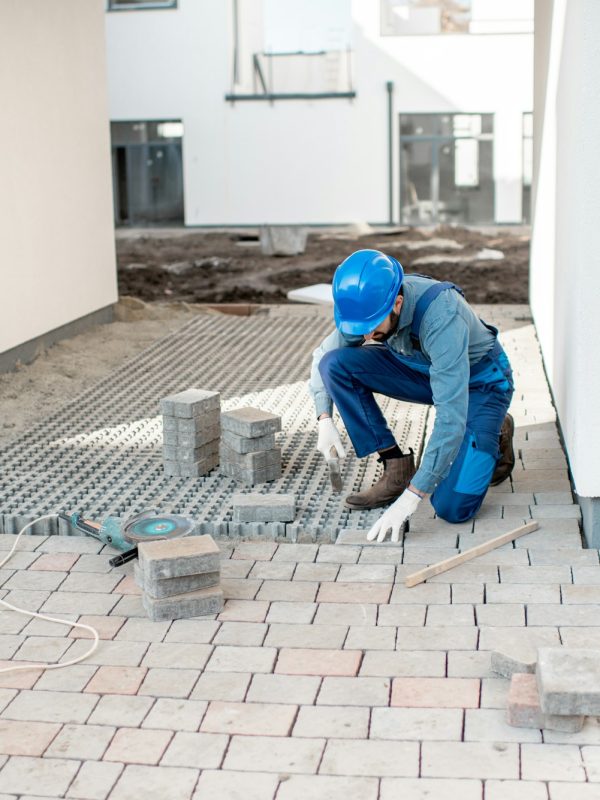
(102, 452)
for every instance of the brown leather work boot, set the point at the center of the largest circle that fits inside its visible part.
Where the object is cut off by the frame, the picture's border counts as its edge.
(506, 461)
(396, 477)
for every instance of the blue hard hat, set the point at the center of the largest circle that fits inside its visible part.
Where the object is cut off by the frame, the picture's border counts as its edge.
(365, 287)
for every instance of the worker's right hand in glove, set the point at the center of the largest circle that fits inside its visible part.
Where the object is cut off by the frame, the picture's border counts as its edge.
(394, 518)
(329, 442)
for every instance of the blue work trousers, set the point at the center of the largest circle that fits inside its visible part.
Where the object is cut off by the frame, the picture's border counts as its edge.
(352, 374)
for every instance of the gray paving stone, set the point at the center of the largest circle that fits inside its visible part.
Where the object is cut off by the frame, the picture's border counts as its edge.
(94, 780)
(175, 558)
(564, 790)
(432, 789)
(571, 615)
(422, 593)
(490, 725)
(340, 722)
(167, 587)
(299, 553)
(500, 614)
(274, 754)
(417, 724)
(372, 758)
(494, 692)
(168, 784)
(250, 462)
(40, 706)
(552, 512)
(370, 573)
(467, 592)
(243, 444)
(357, 691)
(190, 403)
(459, 614)
(409, 663)
(250, 422)
(228, 686)
(177, 655)
(43, 776)
(346, 614)
(580, 594)
(470, 760)
(232, 784)
(192, 604)
(515, 790)
(264, 507)
(468, 664)
(544, 575)
(550, 557)
(327, 787)
(185, 454)
(551, 762)
(437, 638)
(403, 615)
(311, 636)
(249, 476)
(299, 689)
(510, 593)
(569, 680)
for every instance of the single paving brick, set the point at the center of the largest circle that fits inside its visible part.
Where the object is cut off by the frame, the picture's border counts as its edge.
(470, 760)
(354, 691)
(168, 587)
(551, 762)
(435, 692)
(168, 784)
(264, 507)
(571, 615)
(491, 725)
(192, 604)
(306, 636)
(291, 612)
(231, 784)
(537, 575)
(120, 710)
(455, 614)
(517, 790)
(346, 614)
(299, 689)
(412, 663)
(94, 780)
(417, 724)
(302, 661)
(575, 595)
(327, 787)
(81, 742)
(468, 664)
(274, 754)
(568, 680)
(188, 714)
(303, 591)
(432, 789)
(422, 593)
(142, 630)
(229, 658)
(500, 614)
(241, 633)
(116, 680)
(222, 686)
(160, 682)
(19, 738)
(200, 750)
(250, 422)
(40, 706)
(174, 558)
(332, 721)
(190, 403)
(298, 553)
(271, 570)
(370, 758)
(354, 592)
(256, 719)
(437, 638)
(369, 637)
(49, 777)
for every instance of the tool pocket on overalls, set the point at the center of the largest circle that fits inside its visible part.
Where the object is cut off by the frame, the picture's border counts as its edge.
(476, 470)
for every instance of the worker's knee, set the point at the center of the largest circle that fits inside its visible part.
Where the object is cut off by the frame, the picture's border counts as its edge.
(451, 507)
(331, 364)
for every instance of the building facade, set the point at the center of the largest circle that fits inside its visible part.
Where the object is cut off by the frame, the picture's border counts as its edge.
(241, 112)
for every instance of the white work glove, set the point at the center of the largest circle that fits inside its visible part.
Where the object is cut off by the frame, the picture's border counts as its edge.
(395, 517)
(329, 438)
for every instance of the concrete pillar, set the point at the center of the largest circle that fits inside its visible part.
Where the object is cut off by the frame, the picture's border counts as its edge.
(565, 265)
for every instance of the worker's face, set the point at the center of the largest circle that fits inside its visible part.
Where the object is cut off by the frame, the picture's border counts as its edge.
(388, 327)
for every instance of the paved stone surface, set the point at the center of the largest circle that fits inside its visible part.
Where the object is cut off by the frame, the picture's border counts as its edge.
(323, 676)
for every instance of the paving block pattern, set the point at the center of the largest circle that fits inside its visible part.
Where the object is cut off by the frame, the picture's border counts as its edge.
(102, 452)
(264, 507)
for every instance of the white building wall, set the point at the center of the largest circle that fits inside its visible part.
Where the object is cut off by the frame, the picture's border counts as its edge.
(309, 161)
(58, 259)
(565, 269)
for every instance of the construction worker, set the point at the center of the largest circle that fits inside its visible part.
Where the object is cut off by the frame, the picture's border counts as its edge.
(415, 339)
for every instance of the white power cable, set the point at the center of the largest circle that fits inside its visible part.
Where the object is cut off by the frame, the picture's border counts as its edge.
(43, 616)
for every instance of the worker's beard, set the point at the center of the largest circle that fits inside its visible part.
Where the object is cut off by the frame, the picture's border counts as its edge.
(383, 337)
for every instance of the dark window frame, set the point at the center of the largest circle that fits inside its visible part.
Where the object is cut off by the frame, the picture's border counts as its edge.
(147, 5)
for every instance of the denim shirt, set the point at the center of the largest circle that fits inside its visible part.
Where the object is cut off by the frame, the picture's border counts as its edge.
(452, 339)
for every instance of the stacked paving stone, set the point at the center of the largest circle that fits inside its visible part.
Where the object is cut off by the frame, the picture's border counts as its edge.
(180, 577)
(563, 691)
(248, 452)
(191, 430)
(264, 507)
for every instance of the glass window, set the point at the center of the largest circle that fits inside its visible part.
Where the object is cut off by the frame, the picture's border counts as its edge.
(446, 168)
(124, 5)
(434, 17)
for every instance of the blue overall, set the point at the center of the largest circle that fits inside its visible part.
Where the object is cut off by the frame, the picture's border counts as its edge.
(352, 374)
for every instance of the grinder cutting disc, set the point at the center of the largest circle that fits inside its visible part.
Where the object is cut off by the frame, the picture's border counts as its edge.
(150, 526)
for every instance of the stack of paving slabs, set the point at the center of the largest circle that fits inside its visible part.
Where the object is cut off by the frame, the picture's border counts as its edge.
(248, 452)
(563, 691)
(191, 430)
(180, 577)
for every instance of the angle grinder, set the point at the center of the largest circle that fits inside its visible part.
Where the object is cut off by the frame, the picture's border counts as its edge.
(148, 526)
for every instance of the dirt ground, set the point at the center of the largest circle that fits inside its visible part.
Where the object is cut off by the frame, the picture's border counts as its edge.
(173, 269)
(228, 267)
